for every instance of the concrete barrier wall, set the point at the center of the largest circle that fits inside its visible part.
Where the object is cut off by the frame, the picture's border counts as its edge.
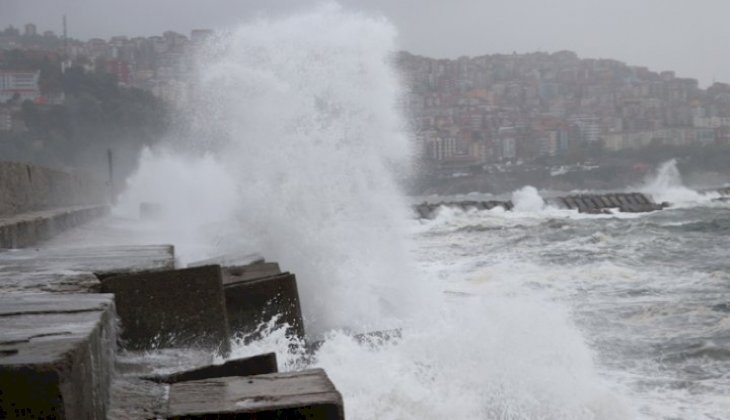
(25, 188)
(28, 229)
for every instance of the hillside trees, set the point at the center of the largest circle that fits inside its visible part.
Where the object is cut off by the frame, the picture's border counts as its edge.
(96, 114)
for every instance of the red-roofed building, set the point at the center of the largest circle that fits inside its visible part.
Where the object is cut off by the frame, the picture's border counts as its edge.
(120, 69)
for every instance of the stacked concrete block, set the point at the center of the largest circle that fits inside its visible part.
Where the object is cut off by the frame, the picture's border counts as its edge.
(307, 394)
(248, 366)
(57, 350)
(253, 271)
(253, 301)
(171, 308)
(56, 355)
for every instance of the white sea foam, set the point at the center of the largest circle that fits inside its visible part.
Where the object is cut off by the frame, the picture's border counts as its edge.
(666, 185)
(527, 199)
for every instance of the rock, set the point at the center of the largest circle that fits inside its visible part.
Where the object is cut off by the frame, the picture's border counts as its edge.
(56, 355)
(307, 394)
(251, 302)
(255, 365)
(172, 308)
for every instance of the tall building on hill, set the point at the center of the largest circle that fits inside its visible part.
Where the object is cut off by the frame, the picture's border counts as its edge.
(30, 30)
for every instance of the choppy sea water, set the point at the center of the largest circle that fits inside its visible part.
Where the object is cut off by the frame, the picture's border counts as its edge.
(649, 294)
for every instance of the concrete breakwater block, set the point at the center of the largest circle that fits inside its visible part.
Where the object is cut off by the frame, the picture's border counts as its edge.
(252, 301)
(76, 270)
(56, 355)
(230, 260)
(307, 394)
(171, 308)
(28, 229)
(584, 203)
(253, 271)
(602, 203)
(428, 210)
(248, 366)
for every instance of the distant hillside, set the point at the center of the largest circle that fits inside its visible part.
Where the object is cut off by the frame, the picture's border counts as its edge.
(553, 109)
(524, 106)
(90, 113)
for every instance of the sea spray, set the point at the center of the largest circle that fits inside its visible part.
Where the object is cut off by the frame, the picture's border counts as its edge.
(197, 198)
(666, 185)
(527, 199)
(308, 132)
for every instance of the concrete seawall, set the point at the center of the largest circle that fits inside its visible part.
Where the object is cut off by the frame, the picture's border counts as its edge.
(27, 188)
(28, 229)
(37, 203)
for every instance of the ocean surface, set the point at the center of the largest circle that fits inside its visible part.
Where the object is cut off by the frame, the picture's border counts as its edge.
(648, 295)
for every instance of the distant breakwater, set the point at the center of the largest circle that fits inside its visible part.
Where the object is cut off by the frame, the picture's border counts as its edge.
(631, 202)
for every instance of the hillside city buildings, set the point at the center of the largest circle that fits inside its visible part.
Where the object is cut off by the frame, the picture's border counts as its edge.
(465, 112)
(526, 106)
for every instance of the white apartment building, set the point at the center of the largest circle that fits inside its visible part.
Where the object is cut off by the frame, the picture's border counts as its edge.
(21, 83)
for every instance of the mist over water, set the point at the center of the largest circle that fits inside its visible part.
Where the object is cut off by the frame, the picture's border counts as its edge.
(304, 145)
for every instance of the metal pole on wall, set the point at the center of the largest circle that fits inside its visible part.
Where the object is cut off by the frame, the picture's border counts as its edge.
(111, 177)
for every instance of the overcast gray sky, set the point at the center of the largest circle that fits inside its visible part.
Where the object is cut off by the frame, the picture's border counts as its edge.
(689, 37)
